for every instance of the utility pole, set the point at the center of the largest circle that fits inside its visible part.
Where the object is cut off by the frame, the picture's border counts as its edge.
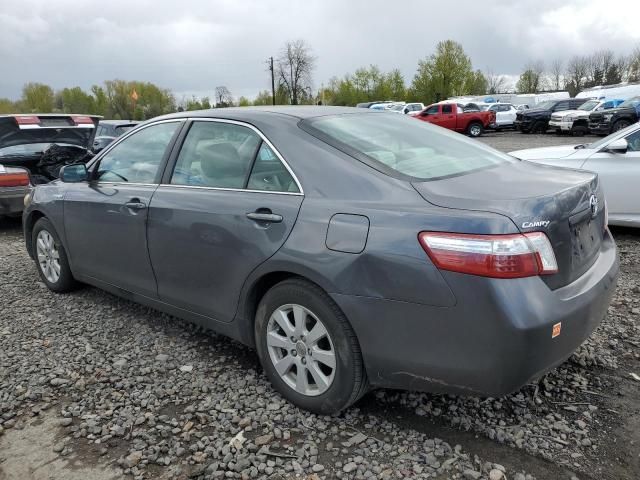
(273, 82)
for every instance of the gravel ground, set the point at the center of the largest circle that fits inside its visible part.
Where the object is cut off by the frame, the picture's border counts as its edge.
(93, 386)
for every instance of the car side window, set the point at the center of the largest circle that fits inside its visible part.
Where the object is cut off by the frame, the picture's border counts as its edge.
(431, 110)
(270, 174)
(633, 141)
(138, 157)
(561, 106)
(447, 109)
(216, 154)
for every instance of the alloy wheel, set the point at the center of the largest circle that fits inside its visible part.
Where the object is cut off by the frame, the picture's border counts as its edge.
(48, 256)
(301, 349)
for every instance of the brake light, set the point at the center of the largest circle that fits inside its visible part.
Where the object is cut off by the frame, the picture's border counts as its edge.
(27, 120)
(82, 120)
(13, 178)
(496, 256)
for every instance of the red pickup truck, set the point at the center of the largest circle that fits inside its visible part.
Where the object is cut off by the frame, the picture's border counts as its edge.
(453, 117)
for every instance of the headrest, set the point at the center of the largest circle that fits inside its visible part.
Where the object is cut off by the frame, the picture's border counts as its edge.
(221, 160)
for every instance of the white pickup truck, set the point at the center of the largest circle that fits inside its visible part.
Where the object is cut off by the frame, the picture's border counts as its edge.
(576, 122)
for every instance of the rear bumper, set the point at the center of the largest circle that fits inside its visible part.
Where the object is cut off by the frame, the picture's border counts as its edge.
(12, 200)
(495, 339)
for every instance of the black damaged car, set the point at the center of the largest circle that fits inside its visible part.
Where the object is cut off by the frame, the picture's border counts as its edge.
(536, 119)
(34, 147)
(609, 121)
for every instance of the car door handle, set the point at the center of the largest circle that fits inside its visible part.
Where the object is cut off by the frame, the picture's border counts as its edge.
(266, 217)
(135, 204)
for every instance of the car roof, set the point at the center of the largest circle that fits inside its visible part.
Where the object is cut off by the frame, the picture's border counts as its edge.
(249, 113)
(119, 122)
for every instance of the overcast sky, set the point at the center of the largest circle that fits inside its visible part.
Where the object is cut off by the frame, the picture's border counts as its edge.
(191, 46)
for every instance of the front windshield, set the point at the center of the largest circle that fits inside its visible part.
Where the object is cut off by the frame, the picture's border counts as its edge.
(604, 141)
(546, 105)
(632, 102)
(588, 106)
(397, 108)
(404, 145)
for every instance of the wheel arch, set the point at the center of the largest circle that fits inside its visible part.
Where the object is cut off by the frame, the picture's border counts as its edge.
(29, 223)
(257, 286)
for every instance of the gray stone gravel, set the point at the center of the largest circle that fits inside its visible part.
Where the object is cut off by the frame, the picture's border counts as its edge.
(158, 396)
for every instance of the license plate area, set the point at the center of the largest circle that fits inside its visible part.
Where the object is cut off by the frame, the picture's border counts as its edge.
(586, 238)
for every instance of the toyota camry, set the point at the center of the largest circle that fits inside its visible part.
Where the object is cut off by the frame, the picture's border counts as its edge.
(353, 249)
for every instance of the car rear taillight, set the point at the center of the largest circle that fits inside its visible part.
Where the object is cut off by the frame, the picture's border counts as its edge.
(497, 256)
(82, 120)
(13, 177)
(27, 120)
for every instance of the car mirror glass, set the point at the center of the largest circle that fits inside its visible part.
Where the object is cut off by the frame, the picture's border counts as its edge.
(74, 173)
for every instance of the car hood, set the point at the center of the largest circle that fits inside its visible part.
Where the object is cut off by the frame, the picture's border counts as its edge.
(53, 129)
(561, 151)
(578, 113)
(534, 111)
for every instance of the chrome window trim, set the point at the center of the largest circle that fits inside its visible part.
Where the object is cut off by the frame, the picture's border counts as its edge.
(135, 184)
(199, 187)
(264, 139)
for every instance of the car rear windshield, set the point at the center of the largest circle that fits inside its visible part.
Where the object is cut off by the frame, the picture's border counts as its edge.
(405, 146)
(120, 129)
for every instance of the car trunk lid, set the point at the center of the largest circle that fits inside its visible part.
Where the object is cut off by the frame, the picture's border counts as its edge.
(558, 202)
(76, 130)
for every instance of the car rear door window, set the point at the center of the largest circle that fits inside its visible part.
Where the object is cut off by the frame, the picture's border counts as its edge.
(447, 108)
(216, 154)
(137, 158)
(270, 174)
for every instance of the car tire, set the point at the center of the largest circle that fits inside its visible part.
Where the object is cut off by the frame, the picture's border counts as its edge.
(474, 129)
(288, 315)
(579, 131)
(539, 127)
(619, 125)
(51, 258)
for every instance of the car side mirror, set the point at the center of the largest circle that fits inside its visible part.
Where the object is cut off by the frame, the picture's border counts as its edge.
(74, 173)
(618, 146)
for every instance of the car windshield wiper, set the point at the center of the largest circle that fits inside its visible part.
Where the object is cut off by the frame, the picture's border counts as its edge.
(580, 147)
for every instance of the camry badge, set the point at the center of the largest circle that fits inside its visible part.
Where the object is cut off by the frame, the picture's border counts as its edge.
(538, 223)
(593, 205)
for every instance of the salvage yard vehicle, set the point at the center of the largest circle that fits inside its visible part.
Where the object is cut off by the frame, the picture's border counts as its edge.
(616, 160)
(604, 123)
(576, 122)
(505, 114)
(108, 131)
(454, 117)
(407, 108)
(353, 249)
(536, 119)
(33, 148)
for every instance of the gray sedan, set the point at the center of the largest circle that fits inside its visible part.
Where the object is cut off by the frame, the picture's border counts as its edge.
(353, 249)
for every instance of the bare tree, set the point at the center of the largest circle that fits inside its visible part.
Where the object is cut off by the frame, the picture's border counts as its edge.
(495, 83)
(295, 66)
(633, 66)
(555, 74)
(576, 74)
(223, 97)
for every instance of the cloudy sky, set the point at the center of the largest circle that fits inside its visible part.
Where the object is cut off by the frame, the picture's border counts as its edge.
(191, 46)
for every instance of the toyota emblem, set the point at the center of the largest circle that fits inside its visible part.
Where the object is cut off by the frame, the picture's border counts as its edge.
(593, 205)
